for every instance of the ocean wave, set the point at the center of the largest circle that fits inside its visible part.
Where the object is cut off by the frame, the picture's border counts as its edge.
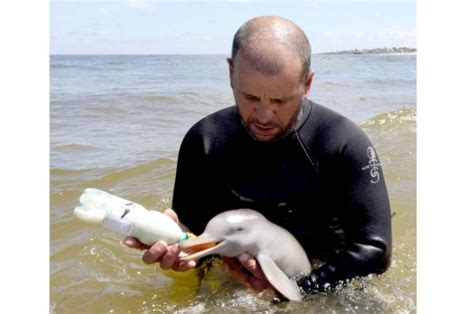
(74, 66)
(61, 172)
(62, 66)
(140, 168)
(405, 116)
(389, 82)
(114, 107)
(117, 175)
(162, 99)
(74, 148)
(145, 177)
(333, 84)
(394, 136)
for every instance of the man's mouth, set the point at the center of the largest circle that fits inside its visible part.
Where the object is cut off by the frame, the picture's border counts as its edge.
(263, 130)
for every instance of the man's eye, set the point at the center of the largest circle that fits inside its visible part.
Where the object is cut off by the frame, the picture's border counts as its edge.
(252, 98)
(278, 101)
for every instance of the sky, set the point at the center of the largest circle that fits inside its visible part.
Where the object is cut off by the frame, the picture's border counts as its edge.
(207, 27)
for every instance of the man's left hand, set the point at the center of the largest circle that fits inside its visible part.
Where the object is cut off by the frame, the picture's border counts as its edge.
(247, 271)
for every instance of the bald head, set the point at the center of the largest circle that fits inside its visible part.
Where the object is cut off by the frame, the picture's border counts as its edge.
(267, 41)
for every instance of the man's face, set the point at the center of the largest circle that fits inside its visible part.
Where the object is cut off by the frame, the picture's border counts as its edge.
(268, 104)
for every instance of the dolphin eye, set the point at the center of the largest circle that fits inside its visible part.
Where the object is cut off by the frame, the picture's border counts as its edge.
(240, 229)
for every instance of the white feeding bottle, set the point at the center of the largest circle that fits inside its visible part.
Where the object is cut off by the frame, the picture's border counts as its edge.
(127, 218)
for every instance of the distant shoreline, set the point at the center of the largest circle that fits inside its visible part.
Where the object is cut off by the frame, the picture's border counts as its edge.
(397, 54)
(378, 51)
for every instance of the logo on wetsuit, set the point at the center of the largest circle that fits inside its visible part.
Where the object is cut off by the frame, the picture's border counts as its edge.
(373, 165)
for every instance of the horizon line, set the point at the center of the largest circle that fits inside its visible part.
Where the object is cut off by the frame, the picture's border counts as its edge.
(206, 54)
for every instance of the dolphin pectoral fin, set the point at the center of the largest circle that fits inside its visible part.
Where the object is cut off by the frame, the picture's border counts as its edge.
(278, 279)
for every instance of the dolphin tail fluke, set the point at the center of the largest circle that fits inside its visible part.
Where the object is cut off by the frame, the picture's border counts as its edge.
(278, 279)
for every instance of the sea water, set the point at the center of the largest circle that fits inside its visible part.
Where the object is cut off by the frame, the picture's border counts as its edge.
(117, 123)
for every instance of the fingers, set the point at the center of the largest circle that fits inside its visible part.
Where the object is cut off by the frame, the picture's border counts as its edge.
(244, 272)
(167, 256)
(133, 243)
(251, 265)
(172, 214)
(235, 268)
(170, 258)
(155, 253)
(184, 266)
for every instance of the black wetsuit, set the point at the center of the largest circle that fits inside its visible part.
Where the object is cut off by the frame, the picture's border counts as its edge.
(322, 182)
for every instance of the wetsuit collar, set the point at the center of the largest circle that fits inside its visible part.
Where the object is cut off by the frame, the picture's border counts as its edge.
(305, 111)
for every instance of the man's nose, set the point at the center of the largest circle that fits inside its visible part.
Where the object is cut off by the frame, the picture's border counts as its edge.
(263, 112)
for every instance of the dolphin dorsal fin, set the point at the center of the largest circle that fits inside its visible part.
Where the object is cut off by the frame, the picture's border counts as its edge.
(278, 279)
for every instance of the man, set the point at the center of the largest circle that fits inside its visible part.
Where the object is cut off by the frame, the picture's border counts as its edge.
(305, 167)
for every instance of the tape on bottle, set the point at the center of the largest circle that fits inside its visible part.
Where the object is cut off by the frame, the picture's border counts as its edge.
(118, 221)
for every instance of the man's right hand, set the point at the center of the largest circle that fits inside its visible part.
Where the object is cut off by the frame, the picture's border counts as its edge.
(169, 256)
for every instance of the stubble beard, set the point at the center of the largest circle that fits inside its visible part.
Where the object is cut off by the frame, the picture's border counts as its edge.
(291, 126)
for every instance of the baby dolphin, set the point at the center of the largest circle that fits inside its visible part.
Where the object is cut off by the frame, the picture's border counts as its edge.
(278, 253)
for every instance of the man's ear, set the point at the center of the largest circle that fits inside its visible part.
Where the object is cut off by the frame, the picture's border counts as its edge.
(230, 62)
(308, 81)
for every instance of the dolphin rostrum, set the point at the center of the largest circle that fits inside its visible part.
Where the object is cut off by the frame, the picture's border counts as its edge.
(278, 253)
